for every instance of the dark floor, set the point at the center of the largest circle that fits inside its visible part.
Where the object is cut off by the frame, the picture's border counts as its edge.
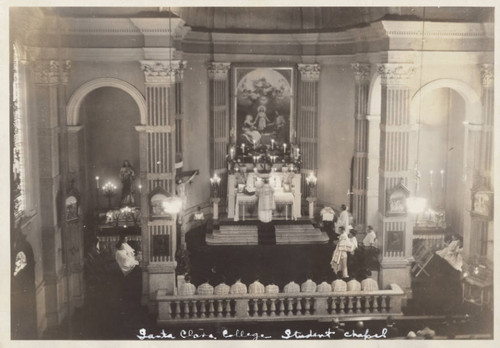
(436, 299)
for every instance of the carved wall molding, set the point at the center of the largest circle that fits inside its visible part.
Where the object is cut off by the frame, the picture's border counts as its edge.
(51, 71)
(218, 70)
(395, 74)
(487, 75)
(309, 72)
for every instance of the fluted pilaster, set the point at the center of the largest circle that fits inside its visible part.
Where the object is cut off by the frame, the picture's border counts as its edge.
(307, 118)
(218, 74)
(361, 141)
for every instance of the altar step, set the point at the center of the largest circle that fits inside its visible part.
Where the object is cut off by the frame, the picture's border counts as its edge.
(238, 234)
(300, 234)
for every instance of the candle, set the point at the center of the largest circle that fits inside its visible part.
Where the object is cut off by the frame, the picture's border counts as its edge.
(431, 172)
(298, 152)
(231, 152)
(272, 144)
(284, 148)
(254, 142)
(97, 181)
(140, 187)
(243, 148)
(442, 178)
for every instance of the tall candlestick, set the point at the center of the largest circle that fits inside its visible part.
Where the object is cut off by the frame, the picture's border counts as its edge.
(442, 178)
(431, 172)
(97, 181)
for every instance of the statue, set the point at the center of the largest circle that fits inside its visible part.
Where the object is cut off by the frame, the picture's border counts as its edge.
(127, 176)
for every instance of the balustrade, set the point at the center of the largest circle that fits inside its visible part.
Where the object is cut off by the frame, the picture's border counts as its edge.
(262, 307)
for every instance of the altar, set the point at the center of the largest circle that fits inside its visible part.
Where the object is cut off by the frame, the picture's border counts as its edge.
(286, 186)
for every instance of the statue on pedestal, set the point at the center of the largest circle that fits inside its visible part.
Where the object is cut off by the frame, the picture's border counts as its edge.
(127, 177)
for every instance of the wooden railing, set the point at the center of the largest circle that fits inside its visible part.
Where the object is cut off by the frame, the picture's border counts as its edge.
(282, 306)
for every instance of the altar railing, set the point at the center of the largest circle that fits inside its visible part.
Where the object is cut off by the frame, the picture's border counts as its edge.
(282, 306)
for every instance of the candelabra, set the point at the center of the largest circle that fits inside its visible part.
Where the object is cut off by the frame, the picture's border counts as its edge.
(215, 183)
(109, 190)
(311, 181)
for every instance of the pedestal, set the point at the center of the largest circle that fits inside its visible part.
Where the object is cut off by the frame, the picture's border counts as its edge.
(395, 271)
(161, 276)
(215, 202)
(311, 201)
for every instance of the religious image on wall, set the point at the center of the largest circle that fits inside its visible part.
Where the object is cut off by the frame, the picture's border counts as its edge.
(263, 105)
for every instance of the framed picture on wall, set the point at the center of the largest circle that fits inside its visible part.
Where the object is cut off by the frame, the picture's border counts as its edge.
(263, 105)
(394, 241)
(482, 203)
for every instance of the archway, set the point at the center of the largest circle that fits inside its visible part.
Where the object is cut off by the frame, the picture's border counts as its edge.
(448, 113)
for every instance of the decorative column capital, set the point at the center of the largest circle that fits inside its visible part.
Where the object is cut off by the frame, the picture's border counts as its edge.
(487, 74)
(395, 74)
(162, 72)
(361, 71)
(52, 71)
(218, 70)
(309, 72)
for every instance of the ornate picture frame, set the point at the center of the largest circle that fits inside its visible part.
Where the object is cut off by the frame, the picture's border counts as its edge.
(482, 203)
(396, 200)
(263, 105)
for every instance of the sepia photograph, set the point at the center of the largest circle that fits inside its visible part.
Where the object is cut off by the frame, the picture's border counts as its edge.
(251, 173)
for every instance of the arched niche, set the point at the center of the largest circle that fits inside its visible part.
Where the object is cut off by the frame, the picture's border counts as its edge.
(73, 108)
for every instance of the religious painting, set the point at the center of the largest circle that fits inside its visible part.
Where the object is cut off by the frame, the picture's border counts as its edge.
(396, 200)
(161, 245)
(263, 106)
(482, 203)
(394, 241)
(71, 208)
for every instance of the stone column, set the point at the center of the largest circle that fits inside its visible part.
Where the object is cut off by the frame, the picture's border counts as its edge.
(218, 75)
(307, 120)
(50, 76)
(157, 148)
(396, 231)
(361, 142)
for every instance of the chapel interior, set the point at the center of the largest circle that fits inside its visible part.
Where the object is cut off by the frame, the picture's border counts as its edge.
(257, 148)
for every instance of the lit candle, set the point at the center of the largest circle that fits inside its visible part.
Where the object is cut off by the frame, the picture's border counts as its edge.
(284, 147)
(97, 181)
(298, 152)
(254, 142)
(140, 187)
(272, 144)
(431, 172)
(442, 178)
(243, 148)
(231, 152)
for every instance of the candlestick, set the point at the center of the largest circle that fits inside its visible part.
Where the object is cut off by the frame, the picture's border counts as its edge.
(97, 181)
(442, 178)
(431, 172)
